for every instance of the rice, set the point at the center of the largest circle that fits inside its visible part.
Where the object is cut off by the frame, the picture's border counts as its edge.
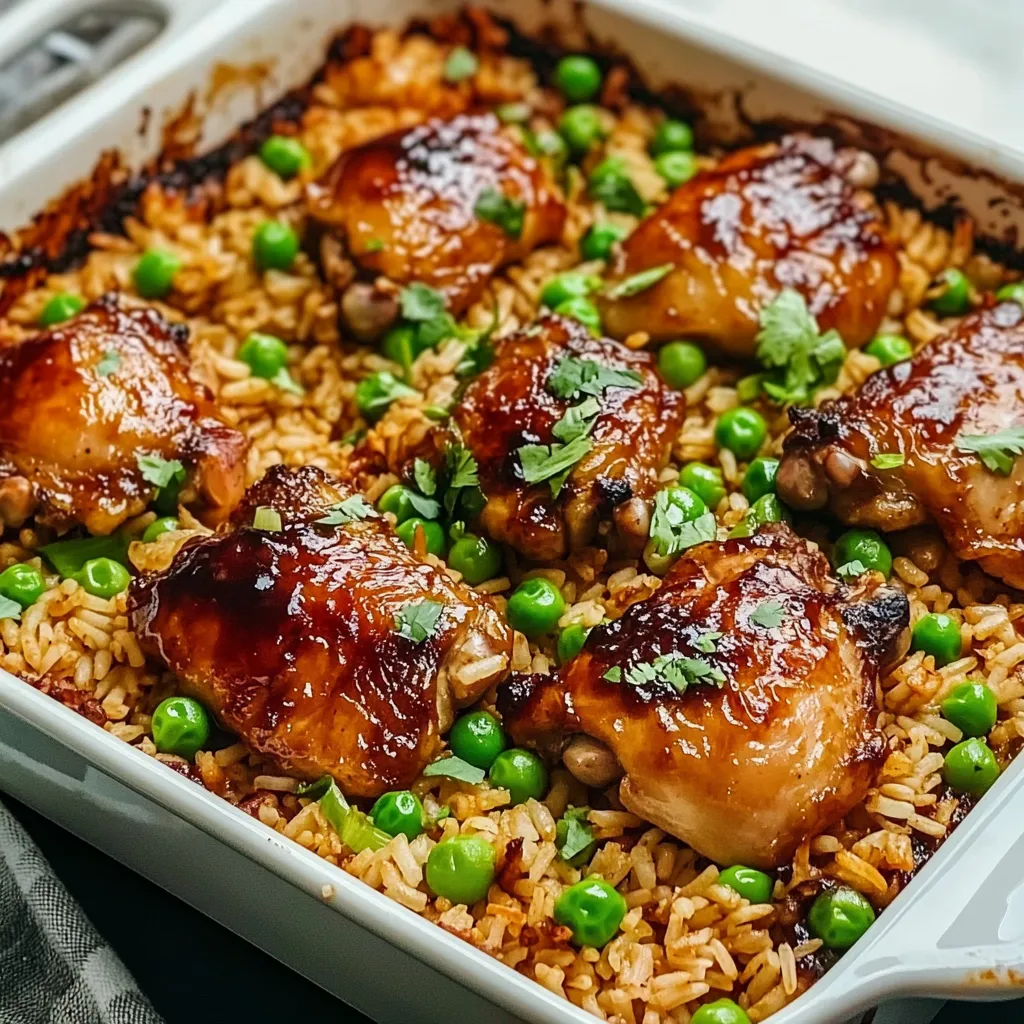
(685, 938)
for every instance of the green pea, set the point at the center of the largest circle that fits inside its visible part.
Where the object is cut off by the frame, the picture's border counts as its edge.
(583, 311)
(570, 285)
(751, 884)
(767, 509)
(284, 155)
(264, 354)
(721, 1011)
(889, 349)
(275, 245)
(477, 737)
(433, 534)
(22, 583)
(971, 707)
(103, 577)
(593, 910)
(535, 607)
(705, 481)
(59, 308)
(688, 502)
(970, 767)
(477, 558)
(399, 812)
(938, 635)
(676, 168)
(520, 772)
(598, 242)
(399, 345)
(398, 500)
(181, 726)
(578, 78)
(157, 528)
(866, 547)
(742, 431)
(955, 297)
(154, 273)
(748, 389)
(1012, 293)
(461, 869)
(839, 917)
(551, 145)
(571, 641)
(681, 363)
(759, 478)
(581, 128)
(671, 137)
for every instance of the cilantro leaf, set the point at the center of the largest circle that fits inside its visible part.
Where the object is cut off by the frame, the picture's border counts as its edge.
(454, 768)
(577, 420)
(420, 302)
(9, 609)
(789, 344)
(425, 477)
(888, 460)
(613, 675)
(373, 245)
(768, 614)
(706, 641)
(68, 556)
(573, 837)
(160, 472)
(552, 462)
(374, 394)
(996, 451)
(348, 511)
(851, 570)
(417, 621)
(109, 363)
(460, 65)
(464, 468)
(611, 185)
(638, 283)
(497, 208)
(672, 533)
(674, 669)
(284, 381)
(573, 377)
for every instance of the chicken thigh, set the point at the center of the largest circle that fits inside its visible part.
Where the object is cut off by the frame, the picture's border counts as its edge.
(444, 204)
(739, 700)
(567, 429)
(86, 400)
(772, 217)
(326, 645)
(922, 416)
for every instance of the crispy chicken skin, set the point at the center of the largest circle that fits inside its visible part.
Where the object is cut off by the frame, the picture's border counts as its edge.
(404, 207)
(767, 218)
(969, 381)
(290, 638)
(745, 771)
(509, 406)
(83, 400)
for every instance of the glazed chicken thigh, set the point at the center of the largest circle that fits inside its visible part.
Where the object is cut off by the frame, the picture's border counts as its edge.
(968, 383)
(768, 218)
(539, 381)
(739, 700)
(84, 400)
(327, 645)
(444, 203)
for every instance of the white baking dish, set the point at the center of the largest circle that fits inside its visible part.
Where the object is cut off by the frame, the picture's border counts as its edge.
(957, 930)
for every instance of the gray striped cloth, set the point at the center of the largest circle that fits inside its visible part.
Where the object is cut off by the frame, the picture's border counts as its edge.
(55, 968)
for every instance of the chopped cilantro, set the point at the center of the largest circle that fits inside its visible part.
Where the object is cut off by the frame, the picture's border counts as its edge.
(425, 477)
(497, 208)
(160, 472)
(373, 245)
(348, 511)
(888, 460)
(462, 476)
(9, 609)
(611, 185)
(455, 768)
(573, 836)
(768, 614)
(997, 451)
(425, 307)
(68, 556)
(672, 533)
(677, 670)
(109, 363)
(266, 518)
(638, 283)
(573, 377)
(613, 675)
(552, 462)
(851, 570)
(706, 641)
(800, 359)
(417, 621)
(460, 65)
(577, 420)
(284, 381)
